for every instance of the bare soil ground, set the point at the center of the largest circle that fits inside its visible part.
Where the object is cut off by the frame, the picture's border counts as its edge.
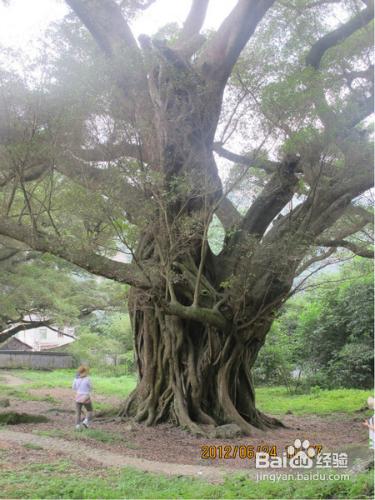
(171, 450)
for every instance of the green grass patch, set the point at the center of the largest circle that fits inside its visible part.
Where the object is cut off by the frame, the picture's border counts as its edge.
(57, 480)
(47, 379)
(82, 435)
(14, 418)
(274, 400)
(277, 400)
(22, 394)
(50, 399)
(99, 406)
(58, 433)
(110, 386)
(98, 435)
(54, 468)
(60, 410)
(32, 446)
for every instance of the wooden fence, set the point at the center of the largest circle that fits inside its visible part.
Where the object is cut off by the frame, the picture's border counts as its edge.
(37, 360)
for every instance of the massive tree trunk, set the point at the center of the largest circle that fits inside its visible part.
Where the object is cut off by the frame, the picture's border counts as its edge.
(193, 375)
(194, 370)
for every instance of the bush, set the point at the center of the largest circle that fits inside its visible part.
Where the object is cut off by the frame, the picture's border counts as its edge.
(106, 345)
(327, 333)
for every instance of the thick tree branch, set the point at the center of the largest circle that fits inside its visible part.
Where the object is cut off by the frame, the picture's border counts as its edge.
(190, 40)
(333, 38)
(309, 5)
(366, 216)
(104, 20)
(111, 152)
(140, 5)
(102, 180)
(84, 258)
(223, 50)
(13, 330)
(200, 314)
(267, 165)
(314, 260)
(324, 206)
(228, 214)
(353, 220)
(366, 74)
(363, 109)
(353, 247)
(7, 253)
(31, 173)
(273, 198)
(30, 325)
(195, 19)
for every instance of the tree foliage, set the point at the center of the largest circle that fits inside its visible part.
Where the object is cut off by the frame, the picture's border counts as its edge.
(105, 343)
(39, 291)
(326, 335)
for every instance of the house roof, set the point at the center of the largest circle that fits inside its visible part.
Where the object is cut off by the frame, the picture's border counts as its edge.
(14, 338)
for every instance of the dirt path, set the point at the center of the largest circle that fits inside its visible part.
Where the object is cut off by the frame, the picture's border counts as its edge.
(163, 449)
(109, 459)
(10, 379)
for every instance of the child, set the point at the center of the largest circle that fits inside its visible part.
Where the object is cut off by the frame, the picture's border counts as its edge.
(83, 387)
(370, 423)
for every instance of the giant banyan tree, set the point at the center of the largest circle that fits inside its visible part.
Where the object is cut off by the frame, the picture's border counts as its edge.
(120, 147)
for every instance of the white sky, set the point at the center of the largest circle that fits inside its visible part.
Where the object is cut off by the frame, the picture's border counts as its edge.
(24, 21)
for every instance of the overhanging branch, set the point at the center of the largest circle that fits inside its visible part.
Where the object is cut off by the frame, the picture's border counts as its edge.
(190, 40)
(267, 165)
(273, 198)
(223, 50)
(111, 152)
(195, 19)
(353, 247)
(13, 330)
(228, 214)
(30, 173)
(104, 20)
(366, 74)
(102, 180)
(84, 258)
(364, 108)
(314, 260)
(335, 37)
(200, 314)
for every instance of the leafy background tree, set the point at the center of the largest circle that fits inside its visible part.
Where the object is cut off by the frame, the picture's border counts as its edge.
(45, 291)
(106, 344)
(325, 335)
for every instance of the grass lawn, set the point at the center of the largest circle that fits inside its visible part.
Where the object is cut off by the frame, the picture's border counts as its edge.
(273, 400)
(57, 481)
(23, 394)
(64, 479)
(110, 386)
(277, 401)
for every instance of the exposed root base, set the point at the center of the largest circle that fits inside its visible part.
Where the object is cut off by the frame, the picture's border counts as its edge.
(202, 429)
(193, 375)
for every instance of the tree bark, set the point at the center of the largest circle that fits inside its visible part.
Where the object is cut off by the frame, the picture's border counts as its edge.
(195, 374)
(192, 374)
